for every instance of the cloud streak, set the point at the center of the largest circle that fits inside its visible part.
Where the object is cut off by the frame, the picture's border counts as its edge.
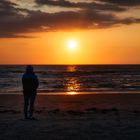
(89, 5)
(14, 23)
(123, 2)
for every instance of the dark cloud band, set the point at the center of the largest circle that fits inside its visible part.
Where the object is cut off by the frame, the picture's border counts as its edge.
(13, 23)
(90, 5)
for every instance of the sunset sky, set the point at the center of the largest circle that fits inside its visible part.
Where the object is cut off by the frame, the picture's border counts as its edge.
(69, 31)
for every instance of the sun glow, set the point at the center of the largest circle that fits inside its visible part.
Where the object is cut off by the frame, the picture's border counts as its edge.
(72, 44)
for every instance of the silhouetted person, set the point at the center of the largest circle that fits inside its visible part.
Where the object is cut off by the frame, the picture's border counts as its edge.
(30, 85)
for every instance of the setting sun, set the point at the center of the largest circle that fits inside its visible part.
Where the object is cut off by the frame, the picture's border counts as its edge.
(72, 44)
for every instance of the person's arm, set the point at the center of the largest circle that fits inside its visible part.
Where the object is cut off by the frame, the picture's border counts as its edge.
(23, 81)
(37, 82)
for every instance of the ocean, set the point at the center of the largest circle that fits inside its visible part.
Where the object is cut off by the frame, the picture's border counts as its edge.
(57, 79)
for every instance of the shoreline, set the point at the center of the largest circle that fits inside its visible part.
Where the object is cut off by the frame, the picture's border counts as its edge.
(75, 102)
(77, 93)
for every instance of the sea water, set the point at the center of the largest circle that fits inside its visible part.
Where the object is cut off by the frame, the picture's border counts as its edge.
(74, 78)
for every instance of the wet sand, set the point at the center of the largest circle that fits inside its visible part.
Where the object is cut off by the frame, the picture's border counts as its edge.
(72, 117)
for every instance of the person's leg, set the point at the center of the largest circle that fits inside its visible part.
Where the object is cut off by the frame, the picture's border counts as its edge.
(32, 100)
(26, 103)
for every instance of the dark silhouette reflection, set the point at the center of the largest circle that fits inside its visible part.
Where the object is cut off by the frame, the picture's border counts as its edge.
(30, 85)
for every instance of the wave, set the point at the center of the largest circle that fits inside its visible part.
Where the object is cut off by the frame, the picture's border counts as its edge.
(77, 78)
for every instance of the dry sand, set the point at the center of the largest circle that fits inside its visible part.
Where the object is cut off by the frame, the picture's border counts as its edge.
(78, 117)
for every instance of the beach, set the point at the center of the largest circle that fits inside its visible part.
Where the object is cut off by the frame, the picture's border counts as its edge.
(68, 117)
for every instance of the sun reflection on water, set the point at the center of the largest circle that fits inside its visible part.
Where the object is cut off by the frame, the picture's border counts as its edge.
(71, 68)
(72, 93)
(72, 84)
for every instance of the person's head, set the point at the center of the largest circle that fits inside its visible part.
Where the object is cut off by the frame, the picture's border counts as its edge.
(29, 69)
